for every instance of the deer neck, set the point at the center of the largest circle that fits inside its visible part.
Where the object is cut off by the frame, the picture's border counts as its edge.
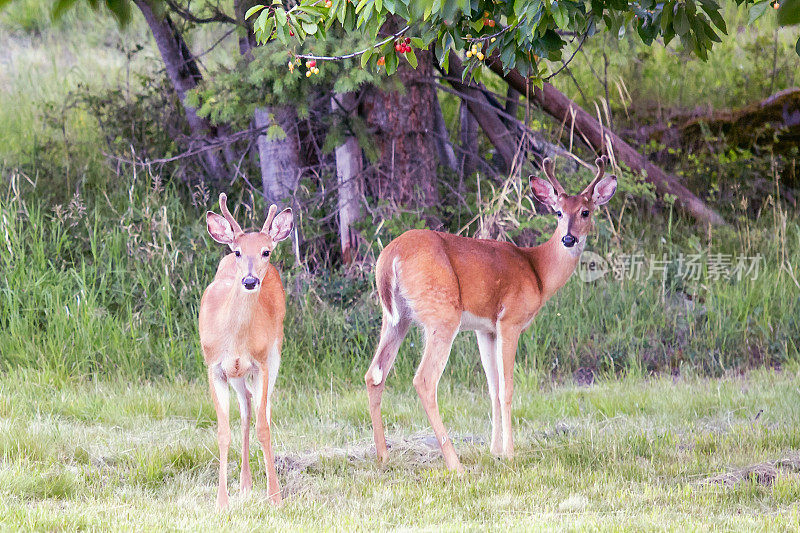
(554, 263)
(239, 308)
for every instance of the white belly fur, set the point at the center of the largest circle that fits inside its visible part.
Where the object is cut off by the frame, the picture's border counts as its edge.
(237, 365)
(470, 322)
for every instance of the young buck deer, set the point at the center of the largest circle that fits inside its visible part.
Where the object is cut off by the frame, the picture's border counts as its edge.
(241, 331)
(447, 283)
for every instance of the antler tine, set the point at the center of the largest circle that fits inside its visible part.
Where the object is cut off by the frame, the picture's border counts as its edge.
(601, 163)
(270, 215)
(548, 167)
(223, 205)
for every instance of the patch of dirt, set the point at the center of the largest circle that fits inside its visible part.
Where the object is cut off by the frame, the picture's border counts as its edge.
(418, 449)
(761, 473)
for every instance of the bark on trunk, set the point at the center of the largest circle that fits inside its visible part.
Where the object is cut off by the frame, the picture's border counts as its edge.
(512, 103)
(349, 166)
(184, 75)
(603, 140)
(447, 156)
(403, 123)
(280, 167)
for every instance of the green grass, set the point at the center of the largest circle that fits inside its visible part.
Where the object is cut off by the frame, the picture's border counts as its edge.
(627, 454)
(112, 288)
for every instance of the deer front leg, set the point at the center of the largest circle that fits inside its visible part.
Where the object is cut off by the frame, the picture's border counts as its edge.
(266, 382)
(487, 346)
(506, 351)
(219, 395)
(243, 396)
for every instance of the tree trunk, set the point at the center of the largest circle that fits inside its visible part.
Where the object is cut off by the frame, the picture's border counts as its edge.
(512, 103)
(447, 156)
(603, 140)
(468, 133)
(402, 118)
(278, 152)
(349, 166)
(184, 75)
(499, 135)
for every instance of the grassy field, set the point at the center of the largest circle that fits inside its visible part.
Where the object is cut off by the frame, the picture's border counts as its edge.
(689, 420)
(629, 454)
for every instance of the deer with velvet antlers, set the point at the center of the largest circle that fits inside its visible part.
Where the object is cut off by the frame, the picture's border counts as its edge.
(448, 283)
(241, 331)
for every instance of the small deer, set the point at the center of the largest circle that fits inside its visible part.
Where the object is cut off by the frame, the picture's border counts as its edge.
(447, 283)
(241, 332)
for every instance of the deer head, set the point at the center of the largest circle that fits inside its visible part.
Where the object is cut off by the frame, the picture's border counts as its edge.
(575, 213)
(252, 250)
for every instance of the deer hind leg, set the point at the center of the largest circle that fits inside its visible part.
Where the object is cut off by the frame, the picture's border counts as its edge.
(438, 341)
(264, 384)
(220, 396)
(243, 396)
(392, 335)
(487, 346)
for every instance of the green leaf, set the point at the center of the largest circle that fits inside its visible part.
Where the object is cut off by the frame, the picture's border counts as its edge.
(365, 58)
(681, 22)
(280, 16)
(712, 10)
(560, 15)
(757, 10)
(391, 62)
(61, 7)
(309, 27)
(411, 57)
(789, 12)
(253, 10)
(275, 132)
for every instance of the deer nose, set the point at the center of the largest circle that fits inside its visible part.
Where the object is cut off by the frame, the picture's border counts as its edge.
(569, 240)
(250, 282)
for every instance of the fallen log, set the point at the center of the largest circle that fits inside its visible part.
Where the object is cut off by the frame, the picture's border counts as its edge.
(772, 121)
(601, 139)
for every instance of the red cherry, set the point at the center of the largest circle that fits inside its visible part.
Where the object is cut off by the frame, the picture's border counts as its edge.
(408, 48)
(291, 33)
(398, 47)
(312, 63)
(408, 40)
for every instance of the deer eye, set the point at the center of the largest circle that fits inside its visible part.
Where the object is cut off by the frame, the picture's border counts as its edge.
(265, 253)
(585, 213)
(237, 253)
(558, 214)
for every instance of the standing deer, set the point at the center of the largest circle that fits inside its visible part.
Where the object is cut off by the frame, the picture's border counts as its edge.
(241, 331)
(447, 283)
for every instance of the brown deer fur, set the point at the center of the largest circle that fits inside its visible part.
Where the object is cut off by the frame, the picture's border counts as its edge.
(241, 332)
(447, 283)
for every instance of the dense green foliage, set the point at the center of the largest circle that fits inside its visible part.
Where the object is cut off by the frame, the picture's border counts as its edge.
(518, 32)
(112, 287)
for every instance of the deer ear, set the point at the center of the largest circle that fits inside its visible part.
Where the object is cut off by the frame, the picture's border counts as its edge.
(604, 190)
(281, 225)
(544, 192)
(219, 228)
